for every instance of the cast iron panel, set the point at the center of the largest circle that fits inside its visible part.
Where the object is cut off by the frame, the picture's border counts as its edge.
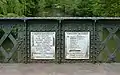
(77, 26)
(12, 41)
(43, 26)
(108, 41)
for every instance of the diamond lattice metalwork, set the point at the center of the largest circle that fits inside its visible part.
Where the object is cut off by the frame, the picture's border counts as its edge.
(109, 49)
(12, 41)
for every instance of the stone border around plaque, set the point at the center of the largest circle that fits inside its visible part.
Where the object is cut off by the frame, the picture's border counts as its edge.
(42, 45)
(77, 45)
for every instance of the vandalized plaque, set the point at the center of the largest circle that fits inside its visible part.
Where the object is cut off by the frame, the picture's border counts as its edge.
(77, 45)
(42, 45)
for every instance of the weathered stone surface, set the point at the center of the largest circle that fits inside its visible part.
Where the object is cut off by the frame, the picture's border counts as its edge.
(60, 69)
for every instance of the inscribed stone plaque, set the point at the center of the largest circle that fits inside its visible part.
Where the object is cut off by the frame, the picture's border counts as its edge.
(77, 45)
(42, 45)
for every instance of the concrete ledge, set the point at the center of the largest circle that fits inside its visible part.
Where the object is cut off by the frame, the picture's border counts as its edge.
(59, 69)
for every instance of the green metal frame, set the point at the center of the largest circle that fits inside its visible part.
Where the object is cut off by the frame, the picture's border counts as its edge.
(15, 31)
(43, 26)
(16, 52)
(77, 26)
(108, 40)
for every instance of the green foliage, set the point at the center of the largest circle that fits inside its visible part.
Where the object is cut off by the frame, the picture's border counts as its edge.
(12, 7)
(59, 8)
(106, 8)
